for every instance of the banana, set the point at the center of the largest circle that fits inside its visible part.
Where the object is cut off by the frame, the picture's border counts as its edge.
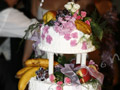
(22, 71)
(38, 62)
(82, 26)
(26, 77)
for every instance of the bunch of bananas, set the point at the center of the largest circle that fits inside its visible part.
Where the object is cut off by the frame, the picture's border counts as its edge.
(31, 66)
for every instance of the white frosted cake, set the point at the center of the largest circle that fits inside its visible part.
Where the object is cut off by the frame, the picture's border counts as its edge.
(47, 85)
(71, 42)
(66, 32)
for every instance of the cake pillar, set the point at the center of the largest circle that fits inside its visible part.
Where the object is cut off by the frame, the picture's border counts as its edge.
(51, 63)
(78, 58)
(84, 57)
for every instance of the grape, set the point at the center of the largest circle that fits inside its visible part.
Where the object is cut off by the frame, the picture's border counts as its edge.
(42, 74)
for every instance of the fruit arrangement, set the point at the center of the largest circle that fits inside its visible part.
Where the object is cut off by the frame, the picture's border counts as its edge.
(32, 66)
(84, 74)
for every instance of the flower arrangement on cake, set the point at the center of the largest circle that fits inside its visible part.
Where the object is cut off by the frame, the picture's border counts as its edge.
(67, 31)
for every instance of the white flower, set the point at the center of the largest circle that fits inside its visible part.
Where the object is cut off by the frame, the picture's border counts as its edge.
(71, 6)
(76, 6)
(68, 6)
(73, 10)
(71, 3)
(87, 36)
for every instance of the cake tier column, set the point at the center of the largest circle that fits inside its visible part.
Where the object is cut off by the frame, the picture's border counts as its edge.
(84, 57)
(78, 58)
(51, 63)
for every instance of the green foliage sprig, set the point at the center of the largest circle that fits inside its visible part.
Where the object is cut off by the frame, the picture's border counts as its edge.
(98, 26)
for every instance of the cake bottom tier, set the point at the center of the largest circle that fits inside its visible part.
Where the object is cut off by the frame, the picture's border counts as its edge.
(35, 84)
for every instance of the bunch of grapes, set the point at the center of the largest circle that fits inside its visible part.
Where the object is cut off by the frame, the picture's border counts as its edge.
(42, 74)
(62, 13)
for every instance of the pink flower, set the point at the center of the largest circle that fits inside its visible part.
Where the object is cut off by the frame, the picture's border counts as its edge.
(84, 46)
(45, 29)
(59, 88)
(87, 22)
(65, 28)
(67, 17)
(79, 17)
(69, 25)
(72, 19)
(74, 35)
(60, 19)
(57, 28)
(83, 14)
(52, 78)
(77, 11)
(48, 39)
(43, 36)
(67, 36)
(59, 83)
(91, 62)
(73, 43)
(75, 15)
(67, 80)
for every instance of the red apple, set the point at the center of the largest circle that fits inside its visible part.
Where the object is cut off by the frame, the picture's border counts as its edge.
(85, 79)
(84, 73)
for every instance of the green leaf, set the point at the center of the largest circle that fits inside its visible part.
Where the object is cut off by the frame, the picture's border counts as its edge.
(59, 76)
(62, 60)
(87, 18)
(97, 30)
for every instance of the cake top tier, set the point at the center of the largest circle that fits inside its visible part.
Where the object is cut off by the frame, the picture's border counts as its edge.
(66, 31)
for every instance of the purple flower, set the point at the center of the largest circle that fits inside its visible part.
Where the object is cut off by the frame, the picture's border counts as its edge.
(73, 43)
(45, 29)
(67, 17)
(60, 19)
(35, 36)
(74, 35)
(67, 36)
(65, 27)
(48, 39)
